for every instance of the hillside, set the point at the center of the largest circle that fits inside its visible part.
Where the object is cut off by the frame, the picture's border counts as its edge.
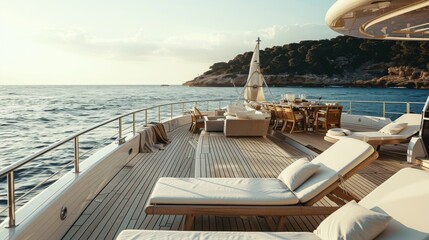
(342, 60)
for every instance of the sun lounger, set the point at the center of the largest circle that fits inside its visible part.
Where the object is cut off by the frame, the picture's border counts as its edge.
(381, 138)
(262, 196)
(404, 197)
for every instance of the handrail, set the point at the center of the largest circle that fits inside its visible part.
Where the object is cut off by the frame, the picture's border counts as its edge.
(384, 103)
(360, 101)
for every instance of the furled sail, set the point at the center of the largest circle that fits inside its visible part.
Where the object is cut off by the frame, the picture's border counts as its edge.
(254, 88)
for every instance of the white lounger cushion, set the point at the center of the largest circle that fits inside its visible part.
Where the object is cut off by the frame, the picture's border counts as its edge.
(182, 235)
(222, 191)
(404, 197)
(335, 161)
(369, 136)
(413, 126)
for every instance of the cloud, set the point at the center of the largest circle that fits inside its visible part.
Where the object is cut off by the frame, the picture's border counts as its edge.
(207, 47)
(132, 48)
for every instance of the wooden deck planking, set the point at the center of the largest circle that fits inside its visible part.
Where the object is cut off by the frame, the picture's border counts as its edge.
(120, 205)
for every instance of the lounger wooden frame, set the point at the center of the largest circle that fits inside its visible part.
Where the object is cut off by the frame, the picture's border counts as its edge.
(334, 192)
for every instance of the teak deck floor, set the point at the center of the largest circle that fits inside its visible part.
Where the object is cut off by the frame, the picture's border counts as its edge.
(120, 205)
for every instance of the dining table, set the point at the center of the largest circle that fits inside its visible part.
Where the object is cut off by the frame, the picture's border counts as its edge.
(308, 108)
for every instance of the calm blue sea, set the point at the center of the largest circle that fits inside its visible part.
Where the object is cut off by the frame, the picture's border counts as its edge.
(32, 117)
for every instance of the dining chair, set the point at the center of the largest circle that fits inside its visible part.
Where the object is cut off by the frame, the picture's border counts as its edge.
(293, 118)
(280, 117)
(197, 120)
(329, 118)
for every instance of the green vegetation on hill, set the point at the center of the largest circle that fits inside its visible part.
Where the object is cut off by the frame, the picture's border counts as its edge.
(337, 56)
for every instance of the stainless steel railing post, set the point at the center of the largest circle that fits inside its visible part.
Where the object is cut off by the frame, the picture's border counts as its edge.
(183, 108)
(159, 114)
(350, 107)
(208, 105)
(134, 124)
(384, 109)
(145, 117)
(76, 154)
(408, 107)
(120, 128)
(11, 198)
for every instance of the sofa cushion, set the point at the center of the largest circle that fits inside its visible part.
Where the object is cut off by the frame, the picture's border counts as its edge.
(241, 114)
(232, 109)
(256, 116)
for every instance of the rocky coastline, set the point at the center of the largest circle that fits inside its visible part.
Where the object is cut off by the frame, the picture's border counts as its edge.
(396, 77)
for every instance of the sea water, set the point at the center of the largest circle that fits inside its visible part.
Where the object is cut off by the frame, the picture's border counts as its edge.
(32, 117)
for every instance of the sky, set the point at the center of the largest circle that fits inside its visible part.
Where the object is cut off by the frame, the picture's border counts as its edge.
(140, 41)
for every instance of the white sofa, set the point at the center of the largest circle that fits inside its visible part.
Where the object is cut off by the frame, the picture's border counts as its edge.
(235, 127)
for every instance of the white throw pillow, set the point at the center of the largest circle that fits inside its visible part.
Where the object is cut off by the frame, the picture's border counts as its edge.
(256, 116)
(339, 132)
(352, 221)
(393, 128)
(241, 114)
(232, 109)
(297, 173)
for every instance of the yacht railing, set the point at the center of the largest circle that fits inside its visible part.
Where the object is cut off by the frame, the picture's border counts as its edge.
(382, 107)
(203, 104)
(11, 169)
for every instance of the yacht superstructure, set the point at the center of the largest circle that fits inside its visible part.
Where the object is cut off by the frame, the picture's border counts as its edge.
(384, 19)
